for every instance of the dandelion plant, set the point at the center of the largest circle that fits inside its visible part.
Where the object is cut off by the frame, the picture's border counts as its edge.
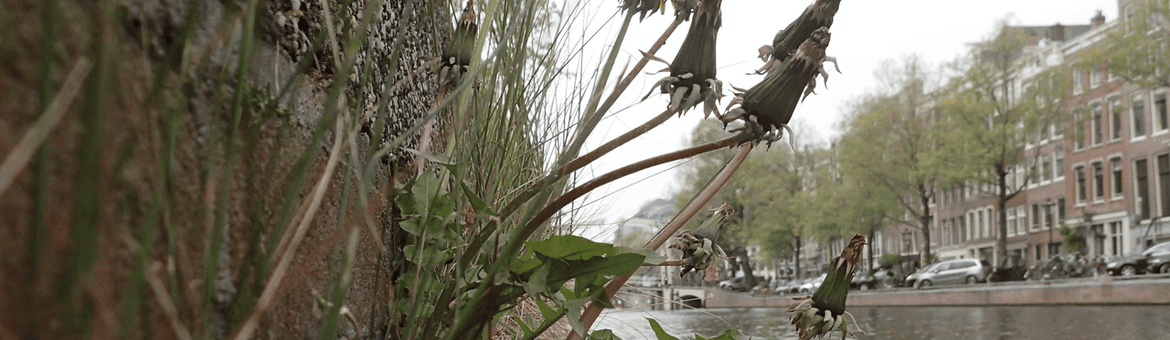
(824, 311)
(767, 107)
(692, 74)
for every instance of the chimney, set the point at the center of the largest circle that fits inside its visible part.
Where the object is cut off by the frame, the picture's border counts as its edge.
(1056, 32)
(1098, 19)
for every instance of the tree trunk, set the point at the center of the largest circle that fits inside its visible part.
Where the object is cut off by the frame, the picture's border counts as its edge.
(747, 268)
(796, 262)
(869, 249)
(924, 223)
(1001, 217)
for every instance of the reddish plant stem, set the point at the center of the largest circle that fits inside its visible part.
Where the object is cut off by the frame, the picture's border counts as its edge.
(593, 310)
(581, 161)
(577, 192)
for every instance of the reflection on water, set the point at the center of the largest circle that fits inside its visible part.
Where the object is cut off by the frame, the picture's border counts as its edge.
(1034, 322)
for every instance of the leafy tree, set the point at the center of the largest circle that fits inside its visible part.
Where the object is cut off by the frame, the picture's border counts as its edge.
(890, 154)
(773, 194)
(1137, 50)
(988, 120)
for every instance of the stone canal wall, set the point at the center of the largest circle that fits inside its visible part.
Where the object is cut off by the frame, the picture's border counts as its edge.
(1138, 292)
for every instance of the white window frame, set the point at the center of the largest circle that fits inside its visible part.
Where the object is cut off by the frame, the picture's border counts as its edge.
(1118, 192)
(1157, 128)
(1057, 168)
(1146, 126)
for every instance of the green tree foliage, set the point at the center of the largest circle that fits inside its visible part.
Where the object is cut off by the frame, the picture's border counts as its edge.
(891, 160)
(989, 120)
(1137, 49)
(781, 197)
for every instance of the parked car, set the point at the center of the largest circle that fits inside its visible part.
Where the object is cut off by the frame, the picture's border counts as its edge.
(862, 280)
(912, 279)
(736, 284)
(790, 287)
(1134, 264)
(969, 271)
(1010, 268)
(812, 285)
(1159, 259)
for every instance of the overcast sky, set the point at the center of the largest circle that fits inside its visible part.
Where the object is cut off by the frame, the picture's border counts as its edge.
(864, 34)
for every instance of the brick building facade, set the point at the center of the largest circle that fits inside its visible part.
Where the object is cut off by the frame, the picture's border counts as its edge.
(1104, 179)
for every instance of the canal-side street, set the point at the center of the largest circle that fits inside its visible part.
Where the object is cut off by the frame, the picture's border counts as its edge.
(991, 322)
(1089, 308)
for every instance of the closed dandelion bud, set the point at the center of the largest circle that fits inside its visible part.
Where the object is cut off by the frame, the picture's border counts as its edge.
(460, 48)
(642, 7)
(826, 312)
(698, 247)
(819, 14)
(768, 106)
(692, 78)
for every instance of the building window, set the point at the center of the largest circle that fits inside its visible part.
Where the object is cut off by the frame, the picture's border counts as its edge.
(1033, 171)
(1011, 219)
(1080, 174)
(1162, 122)
(1059, 209)
(1058, 154)
(1045, 168)
(983, 224)
(1096, 122)
(1115, 117)
(1039, 248)
(1094, 79)
(1048, 218)
(1035, 217)
(1142, 182)
(1137, 111)
(1078, 81)
(1021, 217)
(1115, 237)
(1164, 183)
(1115, 164)
(1098, 182)
(963, 237)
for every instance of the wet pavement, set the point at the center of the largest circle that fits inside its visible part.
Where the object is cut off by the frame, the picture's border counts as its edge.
(996, 322)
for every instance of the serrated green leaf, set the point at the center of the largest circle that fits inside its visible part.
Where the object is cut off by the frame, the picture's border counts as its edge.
(424, 189)
(477, 203)
(659, 332)
(652, 257)
(411, 226)
(537, 283)
(570, 247)
(600, 297)
(619, 264)
(546, 311)
(573, 310)
(728, 334)
(603, 334)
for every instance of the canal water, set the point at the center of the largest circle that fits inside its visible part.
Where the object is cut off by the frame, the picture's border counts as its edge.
(1030, 322)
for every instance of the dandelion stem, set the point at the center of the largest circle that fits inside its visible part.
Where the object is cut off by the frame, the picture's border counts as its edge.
(593, 310)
